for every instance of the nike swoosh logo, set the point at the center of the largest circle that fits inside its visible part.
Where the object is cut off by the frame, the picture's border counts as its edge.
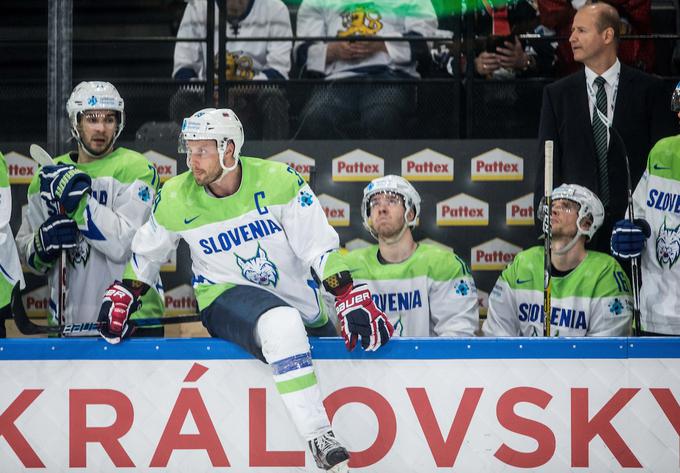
(522, 281)
(660, 168)
(187, 221)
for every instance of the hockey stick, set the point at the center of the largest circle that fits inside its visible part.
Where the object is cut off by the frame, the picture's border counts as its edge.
(634, 262)
(43, 158)
(636, 275)
(27, 327)
(547, 234)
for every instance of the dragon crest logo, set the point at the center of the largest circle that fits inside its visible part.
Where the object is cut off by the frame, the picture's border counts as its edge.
(258, 269)
(668, 245)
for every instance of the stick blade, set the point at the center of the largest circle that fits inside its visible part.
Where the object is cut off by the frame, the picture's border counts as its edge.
(40, 156)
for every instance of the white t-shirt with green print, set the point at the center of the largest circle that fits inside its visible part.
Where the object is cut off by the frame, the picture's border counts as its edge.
(124, 185)
(657, 200)
(591, 300)
(431, 293)
(10, 267)
(271, 233)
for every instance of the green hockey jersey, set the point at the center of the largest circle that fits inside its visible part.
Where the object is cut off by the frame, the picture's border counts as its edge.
(124, 185)
(10, 267)
(271, 233)
(432, 293)
(594, 299)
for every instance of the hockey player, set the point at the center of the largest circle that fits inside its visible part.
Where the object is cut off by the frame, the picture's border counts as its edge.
(425, 291)
(590, 291)
(89, 205)
(260, 247)
(655, 235)
(10, 267)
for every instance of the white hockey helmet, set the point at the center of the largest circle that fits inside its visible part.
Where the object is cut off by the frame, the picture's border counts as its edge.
(391, 184)
(675, 99)
(94, 95)
(221, 125)
(590, 210)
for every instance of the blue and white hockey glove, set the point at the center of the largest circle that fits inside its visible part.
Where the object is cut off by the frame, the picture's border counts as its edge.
(629, 238)
(118, 304)
(56, 233)
(359, 317)
(65, 184)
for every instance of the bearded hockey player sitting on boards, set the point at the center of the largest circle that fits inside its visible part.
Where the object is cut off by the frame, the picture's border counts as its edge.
(425, 291)
(591, 295)
(260, 248)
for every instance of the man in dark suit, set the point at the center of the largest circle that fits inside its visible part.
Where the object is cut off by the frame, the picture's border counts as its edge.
(576, 113)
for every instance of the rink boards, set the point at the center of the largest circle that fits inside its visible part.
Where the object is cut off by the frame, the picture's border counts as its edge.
(418, 405)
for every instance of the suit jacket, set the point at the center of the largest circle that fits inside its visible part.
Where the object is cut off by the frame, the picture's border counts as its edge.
(642, 116)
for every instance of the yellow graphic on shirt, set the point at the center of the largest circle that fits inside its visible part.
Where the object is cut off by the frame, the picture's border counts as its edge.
(239, 66)
(361, 20)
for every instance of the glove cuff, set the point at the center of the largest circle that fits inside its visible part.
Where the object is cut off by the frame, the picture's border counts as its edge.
(339, 284)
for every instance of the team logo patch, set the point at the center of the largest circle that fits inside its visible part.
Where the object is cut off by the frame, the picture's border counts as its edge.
(667, 245)
(144, 194)
(462, 288)
(92, 101)
(258, 269)
(305, 199)
(616, 307)
(81, 253)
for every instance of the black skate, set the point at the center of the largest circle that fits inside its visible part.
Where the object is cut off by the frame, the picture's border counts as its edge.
(329, 454)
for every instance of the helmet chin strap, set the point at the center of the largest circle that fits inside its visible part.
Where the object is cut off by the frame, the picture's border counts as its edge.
(565, 249)
(91, 153)
(397, 237)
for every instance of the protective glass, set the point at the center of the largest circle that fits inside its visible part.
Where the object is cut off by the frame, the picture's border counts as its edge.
(389, 199)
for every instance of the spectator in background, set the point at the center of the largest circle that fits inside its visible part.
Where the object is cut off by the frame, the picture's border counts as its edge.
(10, 267)
(255, 61)
(590, 291)
(503, 55)
(376, 111)
(577, 110)
(425, 291)
(636, 19)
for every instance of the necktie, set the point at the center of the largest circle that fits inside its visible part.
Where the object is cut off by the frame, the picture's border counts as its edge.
(600, 136)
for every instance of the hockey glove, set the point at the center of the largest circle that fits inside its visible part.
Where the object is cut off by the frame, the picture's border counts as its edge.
(56, 233)
(629, 238)
(118, 304)
(359, 317)
(64, 184)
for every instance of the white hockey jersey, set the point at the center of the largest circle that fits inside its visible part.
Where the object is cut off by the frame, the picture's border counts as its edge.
(432, 293)
(258, 60)
(657, 200)
(272, 233)
(124, 184)
(10, 267)
(343, 19)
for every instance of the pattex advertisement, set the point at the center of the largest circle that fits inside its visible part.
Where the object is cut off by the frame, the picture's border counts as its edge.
(203, 405)
(477, 196)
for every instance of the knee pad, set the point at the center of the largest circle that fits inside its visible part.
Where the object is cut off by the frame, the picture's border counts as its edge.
(281, 334)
